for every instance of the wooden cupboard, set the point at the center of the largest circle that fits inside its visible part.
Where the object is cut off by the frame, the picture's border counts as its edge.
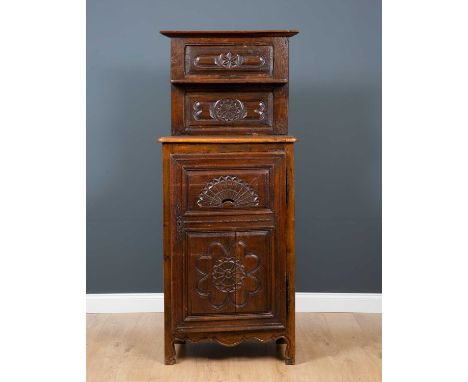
(229, 191)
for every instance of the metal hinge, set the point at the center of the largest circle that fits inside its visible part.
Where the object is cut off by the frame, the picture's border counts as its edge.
(287, 187)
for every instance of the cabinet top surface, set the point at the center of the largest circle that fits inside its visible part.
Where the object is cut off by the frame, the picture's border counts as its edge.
(224, 33)
(228, 139)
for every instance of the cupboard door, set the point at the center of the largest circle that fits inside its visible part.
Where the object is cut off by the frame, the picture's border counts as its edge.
(211, 273)
(231, 275)
(229, 272)
(253, 252)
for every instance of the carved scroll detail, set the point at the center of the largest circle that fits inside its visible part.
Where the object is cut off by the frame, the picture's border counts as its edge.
(228, 191)
(197, 110)
(231, 340)
(261, 110)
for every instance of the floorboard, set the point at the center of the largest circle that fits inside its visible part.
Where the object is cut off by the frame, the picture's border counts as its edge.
(330, 347)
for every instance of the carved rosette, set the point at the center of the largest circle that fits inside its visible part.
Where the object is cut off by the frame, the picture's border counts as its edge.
(228, 110)
(227, 274)
(229, 60)
(228, 191)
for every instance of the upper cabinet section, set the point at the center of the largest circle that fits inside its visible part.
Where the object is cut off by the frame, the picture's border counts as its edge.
(229, 82)
(229, 56)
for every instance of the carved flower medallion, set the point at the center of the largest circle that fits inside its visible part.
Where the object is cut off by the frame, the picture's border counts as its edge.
(228, 110)
(228, 274)
(229, 60)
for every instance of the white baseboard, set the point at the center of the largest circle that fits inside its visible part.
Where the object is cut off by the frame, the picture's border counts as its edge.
(305, 302)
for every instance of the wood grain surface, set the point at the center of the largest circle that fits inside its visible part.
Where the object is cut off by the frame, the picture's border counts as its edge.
(331, 347)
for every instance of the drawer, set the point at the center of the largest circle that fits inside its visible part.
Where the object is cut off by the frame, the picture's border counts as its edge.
(228, 183)
(227, 188)
(263, 59)
(229, 60)
(230, 110)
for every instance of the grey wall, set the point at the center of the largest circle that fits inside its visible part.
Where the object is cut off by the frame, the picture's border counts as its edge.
(335, 110)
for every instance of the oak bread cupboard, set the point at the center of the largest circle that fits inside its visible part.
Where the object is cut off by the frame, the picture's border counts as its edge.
(228, 179)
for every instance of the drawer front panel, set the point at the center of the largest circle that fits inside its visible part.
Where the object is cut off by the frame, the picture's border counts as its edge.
(236, 110)
(228, 60)
(229, 109)
(229, 183)
(227, 189)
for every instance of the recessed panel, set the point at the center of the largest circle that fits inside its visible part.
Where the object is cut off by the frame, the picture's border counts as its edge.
(229, 109)
(229, 272)
(224, 189)
(228, 60)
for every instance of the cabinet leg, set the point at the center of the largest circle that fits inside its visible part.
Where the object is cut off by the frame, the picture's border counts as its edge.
(169, 352)
(290, 352)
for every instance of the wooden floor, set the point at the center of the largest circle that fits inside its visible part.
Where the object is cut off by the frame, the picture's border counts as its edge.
(330, 347)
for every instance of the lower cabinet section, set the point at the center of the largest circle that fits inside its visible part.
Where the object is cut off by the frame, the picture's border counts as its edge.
(228, 244)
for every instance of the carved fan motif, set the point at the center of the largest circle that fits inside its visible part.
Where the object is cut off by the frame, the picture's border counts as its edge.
(228, 191)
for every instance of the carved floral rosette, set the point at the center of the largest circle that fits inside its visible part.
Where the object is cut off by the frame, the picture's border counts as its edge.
(228, 274)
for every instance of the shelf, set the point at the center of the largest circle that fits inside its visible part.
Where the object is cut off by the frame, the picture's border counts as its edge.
(246, 33)
(228, 139)
(230, 81)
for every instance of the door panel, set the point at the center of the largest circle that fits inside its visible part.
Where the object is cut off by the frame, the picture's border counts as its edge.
(254, 252)
(206, 253)
(228, 273)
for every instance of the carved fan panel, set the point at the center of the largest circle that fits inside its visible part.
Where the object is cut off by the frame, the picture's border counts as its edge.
(228, 192)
